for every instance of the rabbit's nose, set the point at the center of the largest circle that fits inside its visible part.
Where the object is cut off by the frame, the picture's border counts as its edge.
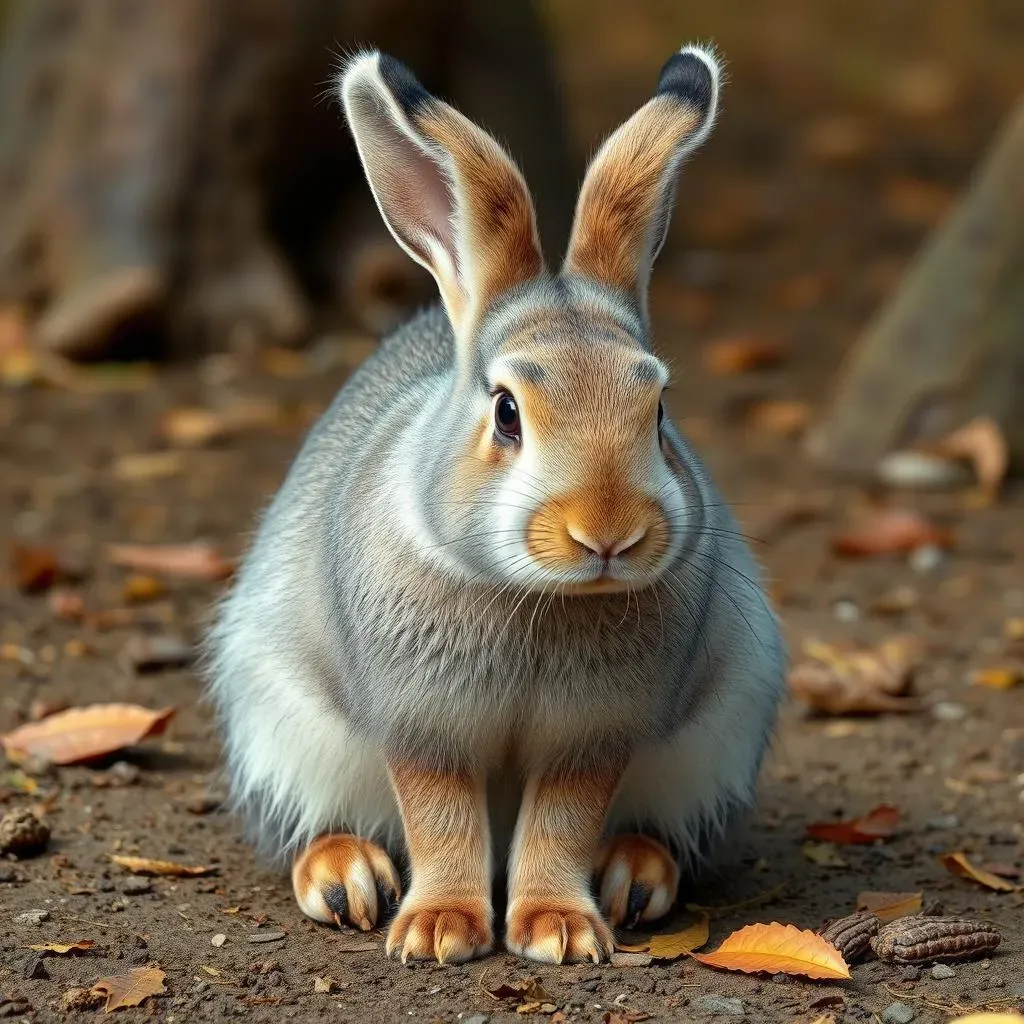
(607, 547)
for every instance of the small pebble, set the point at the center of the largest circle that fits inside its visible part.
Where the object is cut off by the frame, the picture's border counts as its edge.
(898, 1013)
(910, 973)
(266, 936)
(137, 887)
(949, 711)
(720, 1006)
(477, 1018)
(926, 558)
(33, 917)
(218, 940)
(846, 611)
(590, 985)
(947, 821)
(943, 971)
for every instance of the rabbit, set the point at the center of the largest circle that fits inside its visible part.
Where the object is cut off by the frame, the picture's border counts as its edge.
(497, 617)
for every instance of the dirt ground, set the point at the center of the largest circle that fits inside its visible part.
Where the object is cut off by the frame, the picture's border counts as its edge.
(784, 233)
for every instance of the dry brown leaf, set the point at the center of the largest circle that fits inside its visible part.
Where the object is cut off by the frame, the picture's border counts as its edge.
(890, 531)
(63, 947)
(958, 864)
(982, 444)
(825, 855)
(888, 906)
(879, 823)
(130, 989)
(777, 949)
(84, 734)
(841, 680)
(742, 353)
(35, 568)
(164, 868)
(198, 560)
(527, 990)
(998, 677)
(676, 944)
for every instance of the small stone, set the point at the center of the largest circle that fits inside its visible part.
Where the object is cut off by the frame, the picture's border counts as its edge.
(898, 1013)
(266, 936)
(940, 972)
(943, 823)
(846, 611)
(218, 940)
(22, 834)
(1017, 989)
(7, 873)
(137, 887)
(477, 1018)
(35, 970)
(590, 985)
(203, 803)
(33, 917)
(910, 973)
(926, 558)
(123, 773)
(144, 653)
(619, 959)
(949, 711)
(720, 1006)
(79, 999)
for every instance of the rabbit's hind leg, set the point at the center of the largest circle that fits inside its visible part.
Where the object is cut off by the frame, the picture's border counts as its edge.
(346, 880)
(637, 879)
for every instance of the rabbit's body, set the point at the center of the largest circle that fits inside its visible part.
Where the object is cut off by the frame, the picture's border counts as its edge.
(347, 632)
(497, 610)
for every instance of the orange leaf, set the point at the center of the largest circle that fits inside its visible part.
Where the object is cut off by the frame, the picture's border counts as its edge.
(888, 906)
(981, 443)
(878, 823)
(675, 944)
(741, 354)
(777, 949)
(997, 677)
(959, 865)
(63, 947)
(130, 989)
(85, 734)
(35, 568)
(890, 531)
(199, 560)
(147, 866)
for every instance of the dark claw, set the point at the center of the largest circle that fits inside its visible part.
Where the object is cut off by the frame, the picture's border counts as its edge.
(639, 897)
(337, 901)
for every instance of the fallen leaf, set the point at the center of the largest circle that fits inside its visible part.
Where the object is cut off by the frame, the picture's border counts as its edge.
(825, 855)
(325, 984)
(624, 1016)
(84, 734)
(198, 560)
(143, 466)
(742, 354)
(138, 587)
(63, 947)
(981, 444)
(997, 677)
(888, 906)
(890, 531)
(35, 568)
(676, 944)
(777, 949)
(843, 680)
(527, 990)
(785, 418)
(147, 866)
(130, 989)
(192, 427)
(959, 865)
(878, 823)
(989, 1018)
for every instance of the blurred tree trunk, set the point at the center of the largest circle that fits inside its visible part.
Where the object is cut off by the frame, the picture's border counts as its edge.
(949, 347)
(180, 167)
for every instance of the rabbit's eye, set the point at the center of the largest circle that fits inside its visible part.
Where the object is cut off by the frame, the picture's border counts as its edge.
(506, 415)
(661, 415)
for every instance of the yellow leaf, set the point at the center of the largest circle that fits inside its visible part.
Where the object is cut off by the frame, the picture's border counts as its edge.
(146, 866)
(63, 947)
(888, 906)
(989, 1018)
(675, 944)
(824, 854)
(777, 949)
(982, 444)
(998, 677)
(130, 989)
(959, 865)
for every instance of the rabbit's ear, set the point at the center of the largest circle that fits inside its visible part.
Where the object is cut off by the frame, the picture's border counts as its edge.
(447, 191)
(623, 211)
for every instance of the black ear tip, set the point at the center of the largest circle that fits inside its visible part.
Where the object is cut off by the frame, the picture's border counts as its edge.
(691, 75)
(402, 83)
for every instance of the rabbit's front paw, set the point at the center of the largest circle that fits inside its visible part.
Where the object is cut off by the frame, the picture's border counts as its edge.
(556, 933)
(345, 880)
(451, 933)
(638, 879)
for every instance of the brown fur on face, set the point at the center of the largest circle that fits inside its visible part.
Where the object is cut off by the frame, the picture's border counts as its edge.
(622, 192)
